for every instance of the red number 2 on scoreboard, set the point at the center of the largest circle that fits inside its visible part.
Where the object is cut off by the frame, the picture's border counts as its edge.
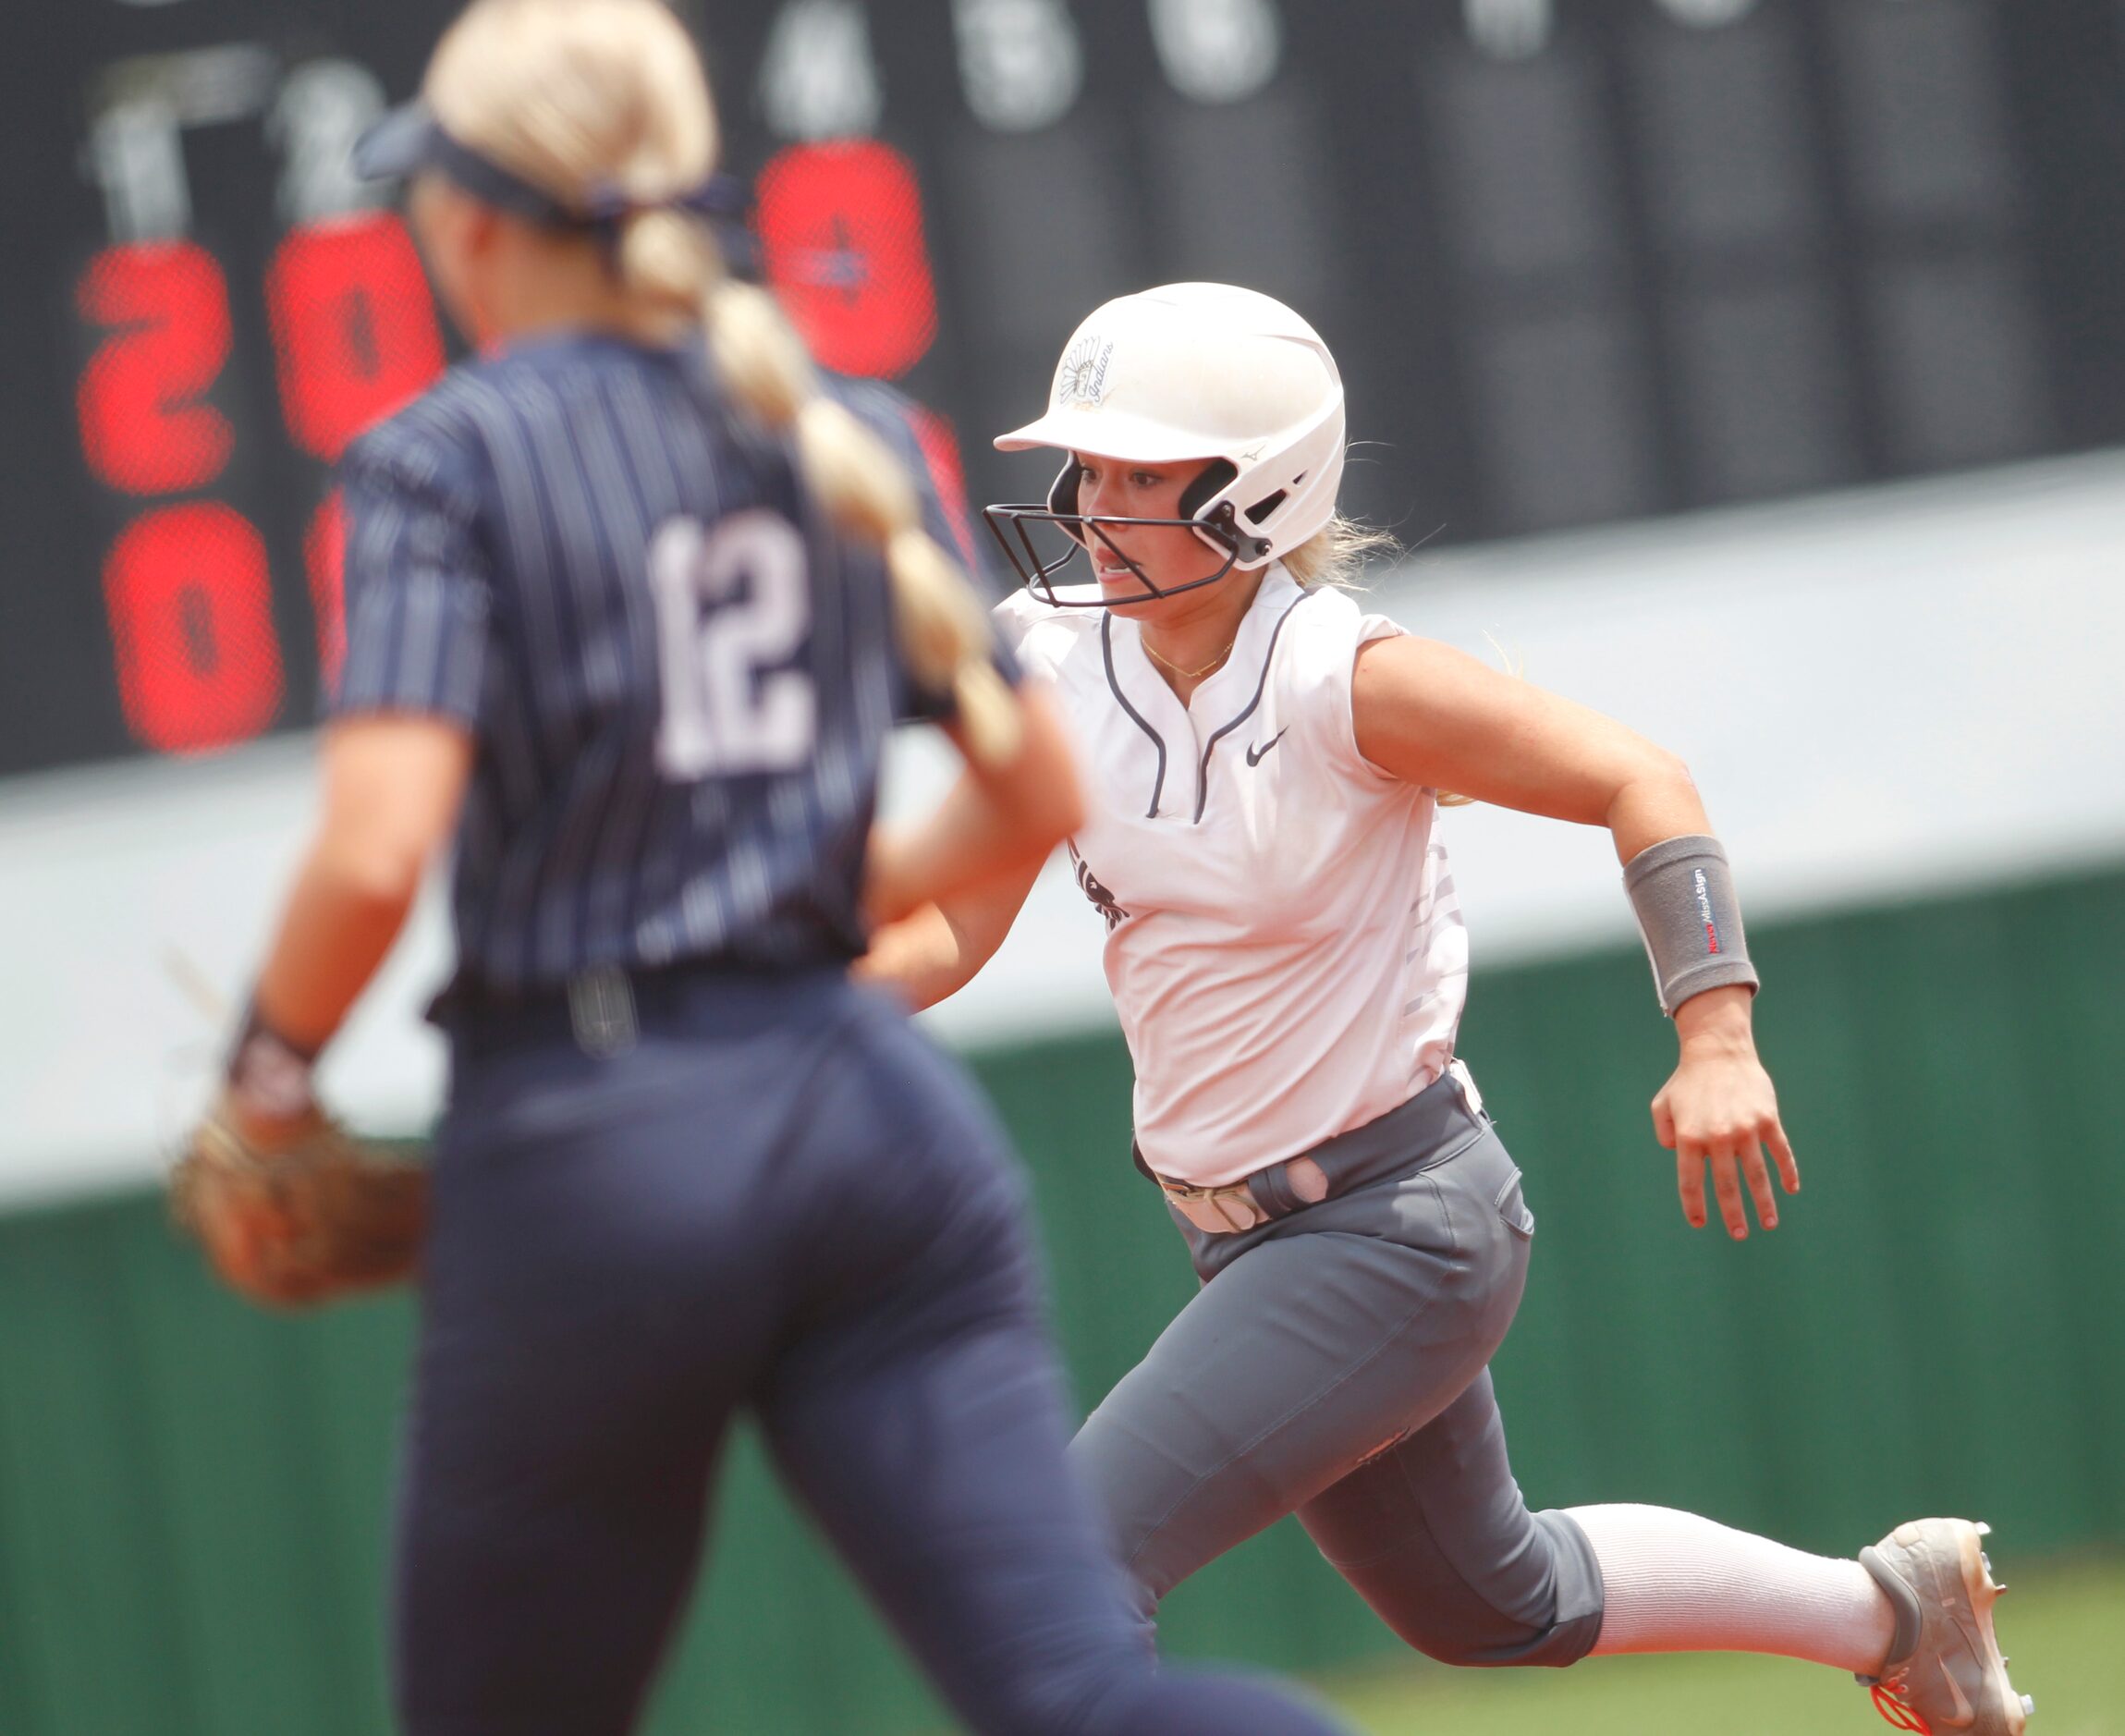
(146, 428)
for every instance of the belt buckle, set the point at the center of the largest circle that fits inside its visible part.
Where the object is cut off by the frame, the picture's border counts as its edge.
(1216, 1211)
(1466, 1081)
(602, 1013)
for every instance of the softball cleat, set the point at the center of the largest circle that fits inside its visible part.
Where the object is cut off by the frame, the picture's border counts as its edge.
(1945, 1673)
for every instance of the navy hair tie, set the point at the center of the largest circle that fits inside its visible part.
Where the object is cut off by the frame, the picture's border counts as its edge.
(410, 138)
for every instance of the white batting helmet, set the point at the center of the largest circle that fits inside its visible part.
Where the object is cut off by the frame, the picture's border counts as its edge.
(1193, 371)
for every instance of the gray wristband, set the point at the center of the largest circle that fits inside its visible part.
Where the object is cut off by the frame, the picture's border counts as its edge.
(1684, 897)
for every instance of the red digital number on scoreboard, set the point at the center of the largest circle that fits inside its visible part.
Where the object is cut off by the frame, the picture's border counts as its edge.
(192, 627)
(145, 426)
(841, 236)
(353, 328)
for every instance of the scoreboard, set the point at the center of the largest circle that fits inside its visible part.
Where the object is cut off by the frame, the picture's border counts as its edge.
(1580, 260)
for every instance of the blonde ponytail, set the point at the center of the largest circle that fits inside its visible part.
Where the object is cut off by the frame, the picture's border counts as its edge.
(1336, 554)
(944, 629)
(597, 96)
(664, 258)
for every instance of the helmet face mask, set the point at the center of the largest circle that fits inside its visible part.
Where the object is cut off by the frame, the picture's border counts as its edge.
(1187, 373)
(1215, 525)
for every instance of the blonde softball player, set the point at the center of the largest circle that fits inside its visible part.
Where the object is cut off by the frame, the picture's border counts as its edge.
(1287, 959)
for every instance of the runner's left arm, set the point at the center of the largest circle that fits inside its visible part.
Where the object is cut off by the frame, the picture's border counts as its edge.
(1438, 719)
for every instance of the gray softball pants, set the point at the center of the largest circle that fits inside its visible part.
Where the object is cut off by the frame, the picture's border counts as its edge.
(1335, 1364)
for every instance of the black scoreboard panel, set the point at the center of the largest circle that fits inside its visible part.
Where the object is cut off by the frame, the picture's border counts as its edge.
(1581, 260)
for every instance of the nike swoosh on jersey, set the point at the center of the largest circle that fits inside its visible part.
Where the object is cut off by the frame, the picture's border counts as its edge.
(1254, 754)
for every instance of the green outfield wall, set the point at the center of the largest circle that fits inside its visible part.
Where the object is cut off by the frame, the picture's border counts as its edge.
(194, 1497)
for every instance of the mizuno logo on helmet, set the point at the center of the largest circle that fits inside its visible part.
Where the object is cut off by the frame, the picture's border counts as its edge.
(1081, 378)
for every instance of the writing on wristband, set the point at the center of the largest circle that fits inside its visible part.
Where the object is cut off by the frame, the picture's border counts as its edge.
(1683, 893)
(270, 1076)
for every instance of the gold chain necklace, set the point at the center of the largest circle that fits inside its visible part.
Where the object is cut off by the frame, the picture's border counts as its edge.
(1188, 674)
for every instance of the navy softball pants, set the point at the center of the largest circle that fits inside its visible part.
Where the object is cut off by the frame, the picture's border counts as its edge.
(778, 1197)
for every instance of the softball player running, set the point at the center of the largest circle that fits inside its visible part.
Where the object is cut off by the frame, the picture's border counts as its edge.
(618, 624)
(1287, 956)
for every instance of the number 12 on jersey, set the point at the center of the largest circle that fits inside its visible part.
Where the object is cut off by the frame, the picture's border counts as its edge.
(732, 602)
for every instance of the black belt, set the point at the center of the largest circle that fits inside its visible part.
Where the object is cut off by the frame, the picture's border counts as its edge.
(1428, 1128)
(605, 1010)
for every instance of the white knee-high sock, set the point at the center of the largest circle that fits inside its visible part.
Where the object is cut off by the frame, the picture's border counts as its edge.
(1676, 1582)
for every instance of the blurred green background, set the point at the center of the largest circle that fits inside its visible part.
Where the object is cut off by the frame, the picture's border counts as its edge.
(194, 1496)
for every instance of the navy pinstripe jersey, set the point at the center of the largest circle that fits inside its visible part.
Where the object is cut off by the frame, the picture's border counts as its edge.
(678, 676)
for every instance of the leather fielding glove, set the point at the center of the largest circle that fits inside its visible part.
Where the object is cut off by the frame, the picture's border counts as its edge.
(302, 1214)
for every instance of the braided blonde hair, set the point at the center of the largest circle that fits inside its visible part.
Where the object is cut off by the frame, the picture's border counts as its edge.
(592, 99)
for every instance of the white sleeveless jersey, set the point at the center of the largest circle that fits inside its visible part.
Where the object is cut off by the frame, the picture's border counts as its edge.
(1283, 944)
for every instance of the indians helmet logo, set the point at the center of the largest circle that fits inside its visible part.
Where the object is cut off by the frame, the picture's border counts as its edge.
(1081, 377)
(1101, 900)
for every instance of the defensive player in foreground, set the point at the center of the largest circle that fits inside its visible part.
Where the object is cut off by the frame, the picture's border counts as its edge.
(618, 625)
(1287, 959)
